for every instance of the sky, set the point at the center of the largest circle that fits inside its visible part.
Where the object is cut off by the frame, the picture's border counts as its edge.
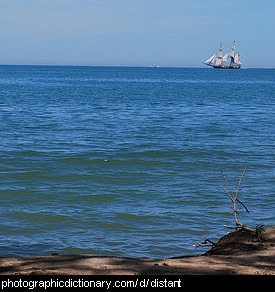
(181, 33)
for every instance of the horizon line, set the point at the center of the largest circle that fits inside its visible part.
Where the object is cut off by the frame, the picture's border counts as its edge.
(126, 66)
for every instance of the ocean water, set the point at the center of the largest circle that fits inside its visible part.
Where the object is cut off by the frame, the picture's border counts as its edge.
(126, 161)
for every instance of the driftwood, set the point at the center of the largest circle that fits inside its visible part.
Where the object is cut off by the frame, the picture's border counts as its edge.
(205, 242)
(233, 201)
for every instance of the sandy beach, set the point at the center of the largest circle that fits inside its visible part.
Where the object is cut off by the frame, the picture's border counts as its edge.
(234, 254)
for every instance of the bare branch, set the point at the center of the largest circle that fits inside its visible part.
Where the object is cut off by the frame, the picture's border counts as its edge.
(228, 167)
(232, 227)
(227, 193)
(240, 182)
(243, 205)
(228, 184)
(234, 198)
(206, 242)
(233, 201)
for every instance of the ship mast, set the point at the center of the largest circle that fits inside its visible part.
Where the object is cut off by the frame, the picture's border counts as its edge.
(219, 56)
(232, 54)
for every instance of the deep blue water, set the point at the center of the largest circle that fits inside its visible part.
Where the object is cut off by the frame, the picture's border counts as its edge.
(119, 161)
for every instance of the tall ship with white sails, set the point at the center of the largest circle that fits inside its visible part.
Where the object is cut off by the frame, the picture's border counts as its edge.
(218, 60)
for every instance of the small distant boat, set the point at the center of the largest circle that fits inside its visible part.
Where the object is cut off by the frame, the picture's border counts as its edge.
(218, 60)
(154, 66)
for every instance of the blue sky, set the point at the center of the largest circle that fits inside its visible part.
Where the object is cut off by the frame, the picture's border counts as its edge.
(135, 32)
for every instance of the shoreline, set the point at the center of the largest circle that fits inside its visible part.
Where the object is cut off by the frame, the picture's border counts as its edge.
(234, 254)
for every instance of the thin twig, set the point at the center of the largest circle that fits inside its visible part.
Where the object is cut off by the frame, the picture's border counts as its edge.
(243, 205)
(205, 242)
(240, 182)
(228, 184)
(228, 167)
(227, 193)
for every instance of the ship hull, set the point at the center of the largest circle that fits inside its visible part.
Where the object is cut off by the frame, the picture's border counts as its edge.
(227, 67)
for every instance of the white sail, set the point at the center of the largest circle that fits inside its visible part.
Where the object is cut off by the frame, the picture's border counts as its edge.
(213, 60)
(218, 61)
(237, 59)
(210, 60)
(219, 57)
(232, 51)
(224, 59)
(220, 52)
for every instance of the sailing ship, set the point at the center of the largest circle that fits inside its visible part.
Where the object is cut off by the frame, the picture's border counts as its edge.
(218, 60)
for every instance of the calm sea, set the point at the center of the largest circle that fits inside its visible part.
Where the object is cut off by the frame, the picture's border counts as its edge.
(120, 161)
